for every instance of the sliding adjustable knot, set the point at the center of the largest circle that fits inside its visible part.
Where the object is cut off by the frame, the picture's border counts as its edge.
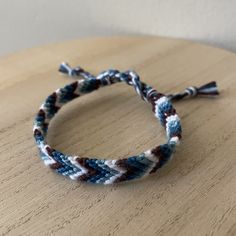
(107, 77)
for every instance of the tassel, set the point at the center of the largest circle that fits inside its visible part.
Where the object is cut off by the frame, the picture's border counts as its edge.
(209, 89)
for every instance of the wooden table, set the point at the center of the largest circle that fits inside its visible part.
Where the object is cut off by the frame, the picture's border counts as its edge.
(195, 194)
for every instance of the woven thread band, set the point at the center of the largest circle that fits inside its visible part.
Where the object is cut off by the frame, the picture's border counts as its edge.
(103, 171)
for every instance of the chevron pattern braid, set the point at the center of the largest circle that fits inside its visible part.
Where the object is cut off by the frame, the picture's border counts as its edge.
(102, 171)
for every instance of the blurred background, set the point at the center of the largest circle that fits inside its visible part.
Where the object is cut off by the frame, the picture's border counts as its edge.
(26, 23)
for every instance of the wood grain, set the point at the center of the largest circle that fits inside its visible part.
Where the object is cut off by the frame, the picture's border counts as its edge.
(193, 195)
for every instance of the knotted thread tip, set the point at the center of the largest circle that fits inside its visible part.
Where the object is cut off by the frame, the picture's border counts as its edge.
(65, 68)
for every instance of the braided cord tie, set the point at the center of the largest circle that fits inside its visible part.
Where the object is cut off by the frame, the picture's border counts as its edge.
(103, 171)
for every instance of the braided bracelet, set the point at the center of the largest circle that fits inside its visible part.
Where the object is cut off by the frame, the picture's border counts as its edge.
(105, 171)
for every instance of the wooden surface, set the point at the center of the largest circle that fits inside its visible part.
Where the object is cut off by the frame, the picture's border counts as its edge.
(195, 194)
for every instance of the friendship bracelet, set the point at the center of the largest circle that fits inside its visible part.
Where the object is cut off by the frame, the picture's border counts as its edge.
(103, 171)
